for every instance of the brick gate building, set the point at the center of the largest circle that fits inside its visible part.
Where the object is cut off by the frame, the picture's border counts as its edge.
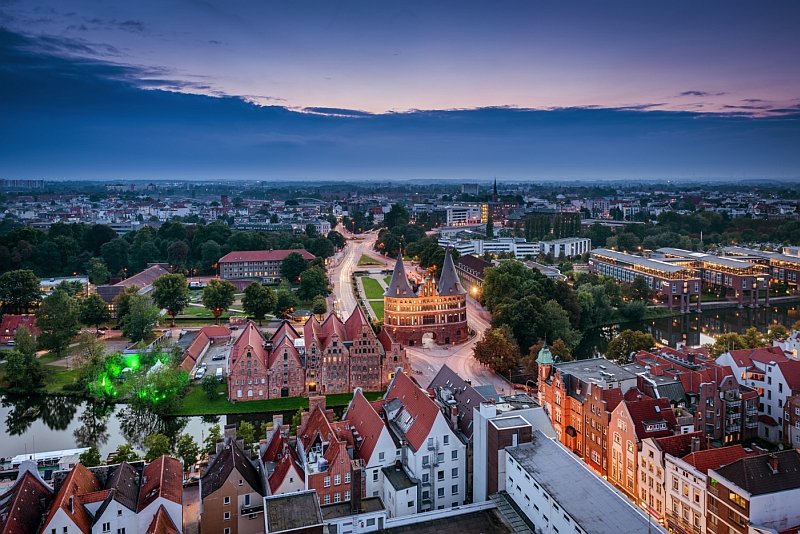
(440, 310)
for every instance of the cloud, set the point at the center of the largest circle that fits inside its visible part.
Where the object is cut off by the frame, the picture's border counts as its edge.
(67, 116)
(701, 93)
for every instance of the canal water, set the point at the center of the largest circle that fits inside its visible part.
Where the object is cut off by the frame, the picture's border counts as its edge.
(39, 424)
(694, 328)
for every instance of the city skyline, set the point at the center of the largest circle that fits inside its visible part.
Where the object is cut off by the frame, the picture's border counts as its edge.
(361, 91)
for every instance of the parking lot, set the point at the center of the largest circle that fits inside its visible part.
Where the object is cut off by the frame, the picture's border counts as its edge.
(219, 350)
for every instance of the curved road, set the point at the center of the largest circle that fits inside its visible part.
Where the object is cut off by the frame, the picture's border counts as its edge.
(426, 361)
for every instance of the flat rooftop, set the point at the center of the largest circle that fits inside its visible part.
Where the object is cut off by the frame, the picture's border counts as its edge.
(474, 523)
(595, 370)
(630, 259)
(368, 505)
(724, 261)
(397, 477)
(292, 511)
(588, 499)
(512, 421)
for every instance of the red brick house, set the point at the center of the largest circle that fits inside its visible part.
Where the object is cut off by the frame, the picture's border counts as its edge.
(10, 324)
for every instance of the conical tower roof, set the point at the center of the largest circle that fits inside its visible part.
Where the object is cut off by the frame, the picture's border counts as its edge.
(449, 284)
(399, 286)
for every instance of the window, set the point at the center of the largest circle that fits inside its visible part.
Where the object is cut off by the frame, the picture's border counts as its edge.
(454, 472)
(375, 476)
(454, 489)
(446, 440)
(106, 527)
(326, 482)
(241, 482)
(454, 455)
(337, 479)
(327, 499)
(226, 516)
(347, 477)
(371, 522)
(119, 530)
(247, 500)
(119, 512)
(411, 504)
(440, 457)
(440, 475)
(425, 478)
(347, 495)
(440, 492)
(337, 497)
(226, 500)
(226, 530)
(381, 456)
(738, 499)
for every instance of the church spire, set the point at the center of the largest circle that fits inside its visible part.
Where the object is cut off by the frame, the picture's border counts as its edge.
(449, 284)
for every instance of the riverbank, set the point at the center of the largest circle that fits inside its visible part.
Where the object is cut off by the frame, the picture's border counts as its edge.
(196, 402)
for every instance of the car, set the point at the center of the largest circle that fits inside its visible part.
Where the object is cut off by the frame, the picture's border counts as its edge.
(219, 374)
(218, 357)
(234, 327)
(201, 372)
(11, 342)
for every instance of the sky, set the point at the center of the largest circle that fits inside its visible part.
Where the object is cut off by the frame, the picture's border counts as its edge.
(328, 89)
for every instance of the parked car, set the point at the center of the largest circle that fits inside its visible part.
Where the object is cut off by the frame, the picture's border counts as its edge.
(201, 372)
(218, 357)
(219, 374)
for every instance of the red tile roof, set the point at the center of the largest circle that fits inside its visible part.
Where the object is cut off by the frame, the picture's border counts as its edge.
(285, 465)
(647, 410)
(24, 504)
(162, 523)
(162, 477)
(317, 424)
(715, 458)
(790, 370)
(680, 444)
(354, 324)
(251, 337)
(745, 357)
(612, 398)
(10, 323)
(419, 406)
(364, 419)
(78, 482)
(767, 420)
(216, 331)
(263, 255)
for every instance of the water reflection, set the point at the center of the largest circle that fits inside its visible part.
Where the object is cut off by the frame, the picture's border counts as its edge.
(55, 412)
(93, 429)
(692, 329)
(137, 423)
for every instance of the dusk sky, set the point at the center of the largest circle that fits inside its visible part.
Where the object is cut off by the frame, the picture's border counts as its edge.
(519, 90)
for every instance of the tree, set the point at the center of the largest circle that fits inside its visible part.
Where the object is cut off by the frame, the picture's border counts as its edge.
(94, 311)
(115, 254)
(285, 303)
(336, 239)
(397, 216)
(555, 324)
(157, 445)
(91, 356)
(90, 458)
(178, 253)
(122, 302)
(58, 318)
(258, 301)
(23, 369)
(141, 318)
(319, 305)
(210, 253)
(210, 443)
(209, 386)
(293, 266)
(498, 350)
(98, 272)
(246, 432)
(218, 296)
(311, 230)
(187, 450)
(313, 282)
(627, 342)
(19, 290)
(638, 289)
(171, 293)
(558, 349)
(777, 331)
(125, 453)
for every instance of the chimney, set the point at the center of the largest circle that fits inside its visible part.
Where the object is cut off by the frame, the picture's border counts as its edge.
(695, 444)
(317, 400)
(773, 463)
(454, 416)
(356, 485)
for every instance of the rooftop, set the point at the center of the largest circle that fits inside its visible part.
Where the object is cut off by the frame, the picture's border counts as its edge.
(292, 511)
(368, 505)
(755, 475)
(397, 477)
(622, 257)
(263, 255)
(513, 421)
(589, 500)
(596, 370)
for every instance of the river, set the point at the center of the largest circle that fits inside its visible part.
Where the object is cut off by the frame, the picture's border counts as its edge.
(693, 329)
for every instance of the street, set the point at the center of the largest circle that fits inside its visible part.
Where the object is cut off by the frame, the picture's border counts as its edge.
(425, 361)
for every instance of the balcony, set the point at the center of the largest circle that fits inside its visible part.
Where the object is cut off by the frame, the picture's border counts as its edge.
(734, 427)
(752, 410)
(751, 423)
(733, 415)
(733, 403)
(252, 509)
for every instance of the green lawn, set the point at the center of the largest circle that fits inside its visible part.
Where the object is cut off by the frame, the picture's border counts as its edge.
(377, 307)
(372, 288)
(197, 312)
(196, 403)
(58, 377)
(387, 279)
(365, 260)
